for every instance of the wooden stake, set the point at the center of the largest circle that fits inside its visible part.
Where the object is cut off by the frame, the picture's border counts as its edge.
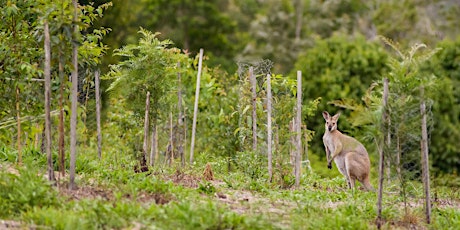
(298, 125)
(73, 118)
(47, 73)
(425, 159)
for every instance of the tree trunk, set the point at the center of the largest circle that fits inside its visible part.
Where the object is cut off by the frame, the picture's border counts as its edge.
(269, 127)
(425, 163)
(73, 118)
(195, 108)
(98, 115)
(180, 128)
(47, 73)
(381, 154)
(299, 17)
(298, 125)
(252, 79)
(61, 141)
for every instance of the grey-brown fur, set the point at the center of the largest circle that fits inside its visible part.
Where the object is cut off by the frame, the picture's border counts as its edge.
(349, 155)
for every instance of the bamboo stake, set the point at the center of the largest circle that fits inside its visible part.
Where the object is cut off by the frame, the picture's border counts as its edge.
(195, 108)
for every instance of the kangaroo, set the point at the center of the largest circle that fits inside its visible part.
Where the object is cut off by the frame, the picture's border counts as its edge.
(349, 155)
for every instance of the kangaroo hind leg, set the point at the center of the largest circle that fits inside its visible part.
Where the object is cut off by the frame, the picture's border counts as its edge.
(366, 183)
(350, 169)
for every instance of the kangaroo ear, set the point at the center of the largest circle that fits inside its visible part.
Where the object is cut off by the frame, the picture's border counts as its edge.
(326, 115)
(336, 116)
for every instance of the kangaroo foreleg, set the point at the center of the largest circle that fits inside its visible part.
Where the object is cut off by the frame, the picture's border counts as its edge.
(337, 150)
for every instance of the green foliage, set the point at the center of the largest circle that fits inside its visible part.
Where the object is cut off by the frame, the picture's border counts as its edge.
(271, 34)
(20, 58)
(217, 117)
(405, 96)
(252, 165)
(401, 24)
(444, 65)
(149, 66)
(446, 219)
(24, 190)
(342, 16)
(207, 188)
(207, 215)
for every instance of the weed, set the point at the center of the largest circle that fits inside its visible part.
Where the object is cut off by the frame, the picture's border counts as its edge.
(207, 188)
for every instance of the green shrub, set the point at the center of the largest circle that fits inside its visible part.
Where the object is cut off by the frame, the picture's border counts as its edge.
(207, 188)
(251, 164)
(8, 155)
(19, 193)
(206, 215)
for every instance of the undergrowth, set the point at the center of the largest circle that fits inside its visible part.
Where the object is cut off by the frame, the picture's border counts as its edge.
(111, 195)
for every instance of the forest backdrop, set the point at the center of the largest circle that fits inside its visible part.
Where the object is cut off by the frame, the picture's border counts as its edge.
(334, 44)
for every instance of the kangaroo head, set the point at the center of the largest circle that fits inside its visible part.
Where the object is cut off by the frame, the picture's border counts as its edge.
(331, 122)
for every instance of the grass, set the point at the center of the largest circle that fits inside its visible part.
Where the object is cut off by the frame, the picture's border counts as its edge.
(112, 196)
